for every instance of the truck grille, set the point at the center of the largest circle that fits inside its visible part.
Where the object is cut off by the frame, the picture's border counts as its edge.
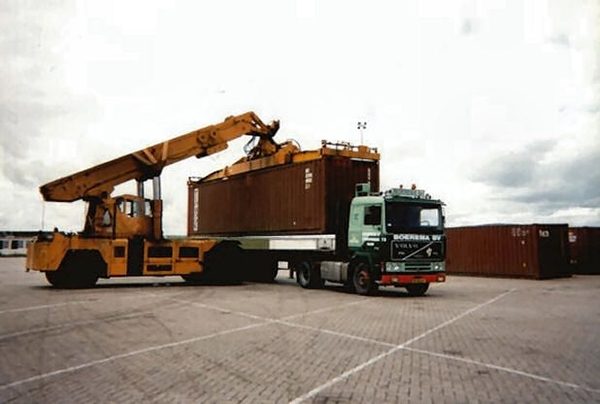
(417, 266)
(416, 250)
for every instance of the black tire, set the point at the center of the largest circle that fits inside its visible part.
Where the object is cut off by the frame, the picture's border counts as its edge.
(308, 275)
(261, 268)
(269, 274)
(193, 279)
(86, 279)
(417, 289)
(84, 268)
(222, 265)
(78, 270)
(362, 279)
(56, 279)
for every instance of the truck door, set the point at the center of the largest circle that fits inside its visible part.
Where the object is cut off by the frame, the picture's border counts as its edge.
(365, 224)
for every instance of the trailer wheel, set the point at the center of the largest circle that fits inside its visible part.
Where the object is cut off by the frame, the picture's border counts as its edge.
(417, 289)
(308, 276)
(362, 279)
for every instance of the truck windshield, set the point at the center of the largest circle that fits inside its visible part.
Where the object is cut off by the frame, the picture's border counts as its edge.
(408, 217)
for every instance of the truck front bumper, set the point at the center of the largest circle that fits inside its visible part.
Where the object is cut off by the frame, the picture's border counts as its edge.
(407, 279)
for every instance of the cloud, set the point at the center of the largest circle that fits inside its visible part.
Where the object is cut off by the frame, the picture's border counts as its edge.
(23, 175)
(542, 180)
(512, 169)
(566, 184)
(469, 26)
(560, 40)
(511, 90)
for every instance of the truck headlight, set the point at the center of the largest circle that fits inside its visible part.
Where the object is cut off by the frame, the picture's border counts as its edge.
(439, 266)
(393, 267)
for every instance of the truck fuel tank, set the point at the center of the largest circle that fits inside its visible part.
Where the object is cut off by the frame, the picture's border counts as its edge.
(334, 271)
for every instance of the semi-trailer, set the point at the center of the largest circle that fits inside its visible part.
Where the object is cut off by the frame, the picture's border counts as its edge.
(321, 213)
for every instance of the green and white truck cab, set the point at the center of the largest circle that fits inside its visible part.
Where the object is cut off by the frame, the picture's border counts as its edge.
(395, 238)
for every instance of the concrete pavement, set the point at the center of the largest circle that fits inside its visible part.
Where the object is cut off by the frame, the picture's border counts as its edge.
(157, 340)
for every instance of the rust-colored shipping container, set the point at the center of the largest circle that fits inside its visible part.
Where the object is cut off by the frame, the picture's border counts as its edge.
(310, 197)
(584, 247)
(537, 251)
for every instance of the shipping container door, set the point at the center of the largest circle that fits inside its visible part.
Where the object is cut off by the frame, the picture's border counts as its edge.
(553, 253)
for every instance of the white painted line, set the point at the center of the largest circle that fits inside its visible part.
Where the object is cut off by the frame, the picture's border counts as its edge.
(170, 345)
(260, 318)
(125, 355)
(67, 325)
(360, 300)
(377, 358)
(286, 320)
(45, 306)
(78, 323)
(218, 309)
(395, 347)
(335, 333)
(89, 300)
(455, 319)
(504, 369)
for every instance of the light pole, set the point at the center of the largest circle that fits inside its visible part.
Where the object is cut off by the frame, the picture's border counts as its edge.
(361, 126)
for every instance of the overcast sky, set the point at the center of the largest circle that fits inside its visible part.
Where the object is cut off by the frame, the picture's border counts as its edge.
(492, 106)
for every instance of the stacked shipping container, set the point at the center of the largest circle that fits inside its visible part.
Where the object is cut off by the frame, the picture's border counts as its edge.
(538, 251)
(584, 247)
(311, 197)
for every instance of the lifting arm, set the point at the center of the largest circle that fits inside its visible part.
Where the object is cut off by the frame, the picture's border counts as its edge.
(99, 181)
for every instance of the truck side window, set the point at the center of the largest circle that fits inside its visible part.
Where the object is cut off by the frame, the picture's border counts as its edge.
(106, 219)
(373, 215)
(126, 206)
(137, 208)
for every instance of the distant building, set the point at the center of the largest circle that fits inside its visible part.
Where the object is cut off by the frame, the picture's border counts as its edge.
(14, 243)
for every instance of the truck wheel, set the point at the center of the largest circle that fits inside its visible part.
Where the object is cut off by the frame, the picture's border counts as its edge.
(222, 265)
(262, 269)
(69, 278)
(56, 279)
(86, 279)
(192, 279)
(79, 269)
(269, 274)
(417, 289)
(308, 276)
(362, 279)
